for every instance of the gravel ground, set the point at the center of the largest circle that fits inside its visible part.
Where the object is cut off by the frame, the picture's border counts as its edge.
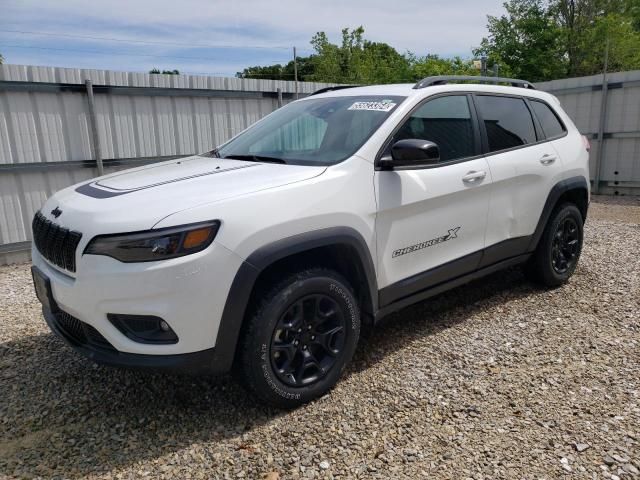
(496, 379)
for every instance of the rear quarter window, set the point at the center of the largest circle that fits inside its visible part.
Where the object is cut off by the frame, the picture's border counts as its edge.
(549, 121)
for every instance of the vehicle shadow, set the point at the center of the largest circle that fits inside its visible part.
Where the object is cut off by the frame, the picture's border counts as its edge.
(60, 415)
(438, 313)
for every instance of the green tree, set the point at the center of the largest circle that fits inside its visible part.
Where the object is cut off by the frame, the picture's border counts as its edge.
(164, 72)
(357, 60)
(587, 27)
(526, 42)
(632, 12)
(431, 64)
(1, 59)
(279, 72)
(379, 63)
(547, 39)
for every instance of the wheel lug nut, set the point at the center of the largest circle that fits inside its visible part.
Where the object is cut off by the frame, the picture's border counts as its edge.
(296, 342)
(313, 337)
(309, 327)
(304, 347)
(299, 330)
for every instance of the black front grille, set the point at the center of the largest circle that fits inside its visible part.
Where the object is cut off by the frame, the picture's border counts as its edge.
(81, 333)
(55, 243)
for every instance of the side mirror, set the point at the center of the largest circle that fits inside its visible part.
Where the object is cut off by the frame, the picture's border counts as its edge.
(413, 152)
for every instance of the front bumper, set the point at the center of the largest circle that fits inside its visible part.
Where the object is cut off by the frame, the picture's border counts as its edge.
(86, 340)
(189, 293)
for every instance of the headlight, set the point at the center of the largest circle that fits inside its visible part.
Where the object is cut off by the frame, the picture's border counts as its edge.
(155, 245)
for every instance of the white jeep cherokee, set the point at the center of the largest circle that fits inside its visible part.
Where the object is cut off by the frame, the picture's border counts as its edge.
(271, 250)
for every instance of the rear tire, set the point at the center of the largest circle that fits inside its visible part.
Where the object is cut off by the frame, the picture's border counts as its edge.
(299, 338)
(558, 251)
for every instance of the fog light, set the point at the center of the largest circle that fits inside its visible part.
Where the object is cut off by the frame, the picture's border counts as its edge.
(144, 328)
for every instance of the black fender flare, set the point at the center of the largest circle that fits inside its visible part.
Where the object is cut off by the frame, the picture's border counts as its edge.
(559, 189)
(248, 273)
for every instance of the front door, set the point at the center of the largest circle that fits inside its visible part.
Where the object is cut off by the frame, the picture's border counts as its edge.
(430, 224)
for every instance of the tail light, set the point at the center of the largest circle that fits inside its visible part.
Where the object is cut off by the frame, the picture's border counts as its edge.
(585, 142)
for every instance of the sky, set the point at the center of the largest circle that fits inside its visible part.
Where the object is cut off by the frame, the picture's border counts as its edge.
(216, 37)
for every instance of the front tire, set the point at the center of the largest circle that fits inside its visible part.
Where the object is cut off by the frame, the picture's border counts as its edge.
(299, 338)
(558, 251)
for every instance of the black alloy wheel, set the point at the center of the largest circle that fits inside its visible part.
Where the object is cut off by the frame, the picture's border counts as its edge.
(307, 340)
(300, 334)
(558, 251)
(565, 247)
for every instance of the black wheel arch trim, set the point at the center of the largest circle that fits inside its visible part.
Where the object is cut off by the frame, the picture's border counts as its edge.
(242, 286)
(559, 189)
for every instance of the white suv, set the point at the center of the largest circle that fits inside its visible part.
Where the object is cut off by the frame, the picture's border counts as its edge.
(270, 251)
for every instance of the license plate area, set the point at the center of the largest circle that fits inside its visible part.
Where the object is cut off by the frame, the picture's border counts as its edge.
(42, 286)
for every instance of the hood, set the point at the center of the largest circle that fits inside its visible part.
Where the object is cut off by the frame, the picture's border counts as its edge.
(140, 197)
(163, 174)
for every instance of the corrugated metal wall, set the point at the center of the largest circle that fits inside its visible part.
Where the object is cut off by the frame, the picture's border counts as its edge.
(46, 140)
(619, 149)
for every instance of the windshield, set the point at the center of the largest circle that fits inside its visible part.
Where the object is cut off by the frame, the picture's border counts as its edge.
(316, 131)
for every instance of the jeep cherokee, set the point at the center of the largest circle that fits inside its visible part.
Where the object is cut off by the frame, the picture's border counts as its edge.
(269, 252)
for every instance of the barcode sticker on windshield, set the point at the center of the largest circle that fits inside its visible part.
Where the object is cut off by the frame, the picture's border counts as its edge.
(383, 106)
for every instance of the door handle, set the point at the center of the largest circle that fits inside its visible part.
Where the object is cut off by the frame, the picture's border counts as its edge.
(474, 177)
(547, 159)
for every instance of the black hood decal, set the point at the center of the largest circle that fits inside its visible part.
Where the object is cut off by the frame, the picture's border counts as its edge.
(96, 190)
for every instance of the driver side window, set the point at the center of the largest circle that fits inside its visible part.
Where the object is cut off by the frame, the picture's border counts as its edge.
(446, 121)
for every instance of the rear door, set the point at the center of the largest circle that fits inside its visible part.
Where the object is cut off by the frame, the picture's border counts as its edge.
(431, 221)
(524, 167)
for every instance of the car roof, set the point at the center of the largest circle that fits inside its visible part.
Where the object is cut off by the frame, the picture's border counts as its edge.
(407, 90)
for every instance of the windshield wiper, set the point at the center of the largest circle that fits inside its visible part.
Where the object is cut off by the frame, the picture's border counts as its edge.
(256, 158)
(210, 154)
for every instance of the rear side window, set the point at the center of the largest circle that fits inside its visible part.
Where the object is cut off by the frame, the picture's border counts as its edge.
(507, 121)
(446, 121)
(551, 125)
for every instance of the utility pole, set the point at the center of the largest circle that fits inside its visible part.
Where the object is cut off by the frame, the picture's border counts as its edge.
(295, 71)
(602, 121)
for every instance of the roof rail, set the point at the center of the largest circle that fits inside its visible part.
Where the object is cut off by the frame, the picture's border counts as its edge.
(335, 87)
(443, 79)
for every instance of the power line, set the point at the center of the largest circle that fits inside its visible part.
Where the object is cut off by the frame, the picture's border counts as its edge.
(54, 49)
(178, 44)
(146, 42)
(309, 51)
(33, 47)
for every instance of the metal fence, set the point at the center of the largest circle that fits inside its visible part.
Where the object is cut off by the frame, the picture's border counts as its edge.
(607, 110)
(55, 128)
